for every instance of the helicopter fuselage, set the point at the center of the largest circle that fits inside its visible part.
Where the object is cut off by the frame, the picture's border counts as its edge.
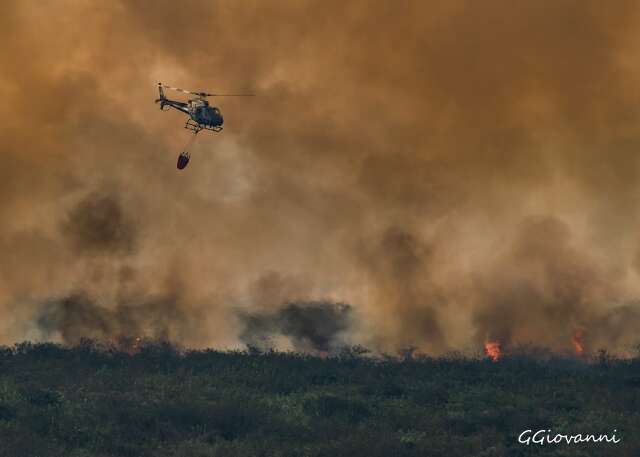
(203, 115)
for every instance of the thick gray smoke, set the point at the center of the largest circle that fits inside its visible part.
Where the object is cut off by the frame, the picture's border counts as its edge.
(312, 327)
(72, 318)
(99, 225)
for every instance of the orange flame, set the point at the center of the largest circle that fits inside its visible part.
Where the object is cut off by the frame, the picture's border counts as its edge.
(577, 342)
(492, 349)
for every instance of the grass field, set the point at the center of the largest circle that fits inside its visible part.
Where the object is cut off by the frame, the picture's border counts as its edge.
(88, 401)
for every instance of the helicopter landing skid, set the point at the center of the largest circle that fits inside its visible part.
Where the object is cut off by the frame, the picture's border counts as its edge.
(195, 127)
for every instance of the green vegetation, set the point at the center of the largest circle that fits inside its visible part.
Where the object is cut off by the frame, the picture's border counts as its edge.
(89, 401)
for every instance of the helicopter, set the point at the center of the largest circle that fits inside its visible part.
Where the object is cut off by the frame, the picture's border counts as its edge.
(202, 116)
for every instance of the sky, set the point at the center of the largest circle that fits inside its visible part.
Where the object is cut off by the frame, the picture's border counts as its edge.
(422, 174)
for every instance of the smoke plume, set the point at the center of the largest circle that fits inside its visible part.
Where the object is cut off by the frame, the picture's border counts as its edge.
(456, 172)
(312, 327)
(75, 317)
(98, 224)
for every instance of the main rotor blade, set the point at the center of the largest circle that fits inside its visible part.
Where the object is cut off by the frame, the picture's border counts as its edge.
(205, 94)
(229, 95)
(182, 90)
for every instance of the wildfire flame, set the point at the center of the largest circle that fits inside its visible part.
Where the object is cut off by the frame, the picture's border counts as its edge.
(492, 350)
(577, 342)
(130, 345)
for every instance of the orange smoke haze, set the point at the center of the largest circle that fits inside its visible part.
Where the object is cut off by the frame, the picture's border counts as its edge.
(444, 170)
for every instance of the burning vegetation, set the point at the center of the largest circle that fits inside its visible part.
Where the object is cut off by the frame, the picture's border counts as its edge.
(577, 340)
(493, 350)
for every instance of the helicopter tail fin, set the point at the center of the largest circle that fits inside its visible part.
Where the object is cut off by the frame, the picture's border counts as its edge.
(162, 97)
(161, 91)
